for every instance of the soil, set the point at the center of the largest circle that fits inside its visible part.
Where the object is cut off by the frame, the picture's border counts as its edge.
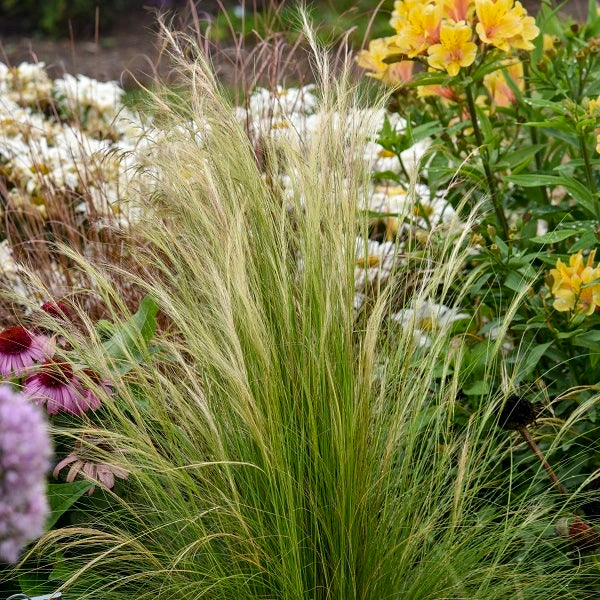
(131, 50)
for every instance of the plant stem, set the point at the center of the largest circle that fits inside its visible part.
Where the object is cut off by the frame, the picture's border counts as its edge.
(533, 131)
(589, 174)
(536, 450)
(486, 163)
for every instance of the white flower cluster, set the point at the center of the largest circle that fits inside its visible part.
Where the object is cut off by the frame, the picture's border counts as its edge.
(69, 139)
(73, 141)
(25, 85)
(399, 211)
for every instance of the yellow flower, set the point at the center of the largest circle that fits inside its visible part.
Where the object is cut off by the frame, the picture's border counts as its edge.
(498, 22)
(395, 74)
(594, 107)
(458, 10)
(419, 29)
(530, 31)
(402, 9)
(598, 143)
(455, 49)
(572, 285)
(549, 44)
(496, 84)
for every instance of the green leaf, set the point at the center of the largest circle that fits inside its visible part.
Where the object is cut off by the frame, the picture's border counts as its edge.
(555, 107)
(516, 281)
(420, 132)
(581, 194)
(592, 11)
(587, 240)
(394, 58)
(430, 79)
(478, 388)
(485, 125)
(523, 155)
(589, 339)
(553, 237)
(131, 339)
(61, 496)
(532, 358)
(558, 123)
(34, 583)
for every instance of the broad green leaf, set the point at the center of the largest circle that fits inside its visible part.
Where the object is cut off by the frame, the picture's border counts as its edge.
(587, 240)
(552, 237)
(61, 496)
(556, 107)
(430, 79)
(133, 336)
(582, 195)
(477, 389)
(558, 124)
(518, 157)
(589, 339)
(531, 359)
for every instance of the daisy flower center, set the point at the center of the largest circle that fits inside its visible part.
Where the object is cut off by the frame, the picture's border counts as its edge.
(370, 261)
(14, 340)
(422, 210)
(427, 324)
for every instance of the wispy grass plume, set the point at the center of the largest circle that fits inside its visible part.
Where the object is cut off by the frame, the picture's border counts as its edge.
(280, 447)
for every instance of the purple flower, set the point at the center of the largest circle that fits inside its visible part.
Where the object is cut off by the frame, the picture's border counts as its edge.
(24, 461)
(20, 349)
(56, 385)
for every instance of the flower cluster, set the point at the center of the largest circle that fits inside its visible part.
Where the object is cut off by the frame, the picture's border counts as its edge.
(576, 287)
(48, 375)
(447, 35)
(24, 461)
(71, 138)
(400, 213)
(292, 115)
(31, 359)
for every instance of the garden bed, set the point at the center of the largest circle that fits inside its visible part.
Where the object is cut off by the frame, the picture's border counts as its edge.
(333, 341)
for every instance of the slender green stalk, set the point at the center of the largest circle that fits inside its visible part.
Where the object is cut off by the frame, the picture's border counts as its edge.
(500, 216)
(589, 172)
(533, 132)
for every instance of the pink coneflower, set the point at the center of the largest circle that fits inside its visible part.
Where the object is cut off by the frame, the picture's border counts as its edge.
(57, 309)
(20, 349)
(56, 385)
(105, 384)
(84, 461)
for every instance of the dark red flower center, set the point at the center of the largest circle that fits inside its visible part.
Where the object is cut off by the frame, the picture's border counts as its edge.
(55, 374)
(56, 309)
(94, 376)
(15, 340)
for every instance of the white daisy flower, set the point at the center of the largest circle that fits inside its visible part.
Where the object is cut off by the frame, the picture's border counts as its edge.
(374, 262)
(428, 317)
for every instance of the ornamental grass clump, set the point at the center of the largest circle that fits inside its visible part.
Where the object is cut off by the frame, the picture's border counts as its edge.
(281, 439)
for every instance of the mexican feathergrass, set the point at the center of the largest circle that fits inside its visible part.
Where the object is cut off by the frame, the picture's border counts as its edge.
(281, 446)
